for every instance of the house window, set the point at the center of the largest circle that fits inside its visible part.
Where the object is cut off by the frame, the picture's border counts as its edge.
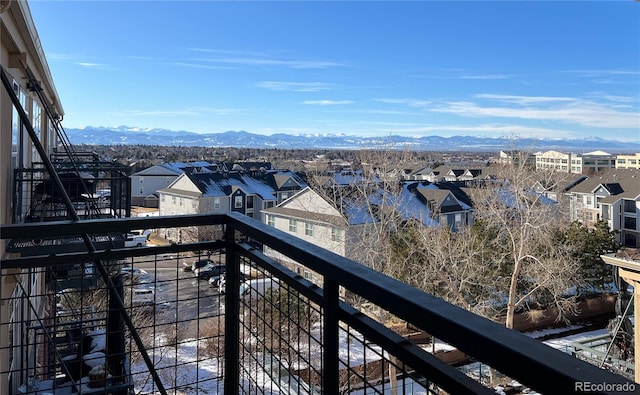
(271, 221)
(336, 234)
(216, 203)
(629, 206)
(293, 225)
(268, 204)
(249, 201)
(630, 223)
(162, 198)
(458, 218)
(284, 196)
(237, 202)
(308, 276)
(181, 201)
(308, 229)
(173, 199)
(589, 201)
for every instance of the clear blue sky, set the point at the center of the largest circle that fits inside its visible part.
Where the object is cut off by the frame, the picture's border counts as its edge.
(544, 69)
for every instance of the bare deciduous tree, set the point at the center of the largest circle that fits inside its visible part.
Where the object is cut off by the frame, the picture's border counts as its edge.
(527, 243)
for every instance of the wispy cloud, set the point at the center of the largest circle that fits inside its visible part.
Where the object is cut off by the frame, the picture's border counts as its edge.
(608, 81)
(561, 109)
(225, 51)
(247, 58)
(183, 112)
(604, 72)
(410, 102)
(485, 76)
(517, 99)
(295, 86)
(327, 102)
(201, 66)
(614, 98)
(92, 65)
(255, 61)
(370, 111)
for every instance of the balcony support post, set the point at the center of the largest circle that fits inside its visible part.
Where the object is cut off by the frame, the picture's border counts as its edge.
(331, 344)
(232, 315)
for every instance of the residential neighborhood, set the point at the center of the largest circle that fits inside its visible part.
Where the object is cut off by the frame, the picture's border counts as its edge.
(438, 196)
(307, 261)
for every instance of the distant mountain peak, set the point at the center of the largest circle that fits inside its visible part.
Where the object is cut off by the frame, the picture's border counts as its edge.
(243, 139)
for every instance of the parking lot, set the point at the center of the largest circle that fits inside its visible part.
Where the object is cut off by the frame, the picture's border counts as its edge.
(179, 295)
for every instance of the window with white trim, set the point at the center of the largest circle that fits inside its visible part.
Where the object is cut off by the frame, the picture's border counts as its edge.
(293, 225)
(336, 234)
(308, 229)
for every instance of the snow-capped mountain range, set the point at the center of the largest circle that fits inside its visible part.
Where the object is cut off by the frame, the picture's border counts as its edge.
(136, 136)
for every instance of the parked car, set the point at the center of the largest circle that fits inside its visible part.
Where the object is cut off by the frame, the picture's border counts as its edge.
(215, 281)
(255, 287)
(143, 298)
(210, 271)
(135, 275)
(195, 266)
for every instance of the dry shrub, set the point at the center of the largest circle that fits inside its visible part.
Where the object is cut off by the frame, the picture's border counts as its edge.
(213, 336)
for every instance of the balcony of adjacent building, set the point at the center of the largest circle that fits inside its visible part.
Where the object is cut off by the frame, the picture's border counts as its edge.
(146, 323)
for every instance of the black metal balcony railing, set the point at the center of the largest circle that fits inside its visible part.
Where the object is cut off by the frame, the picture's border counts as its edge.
(146, 325)
(97, 189)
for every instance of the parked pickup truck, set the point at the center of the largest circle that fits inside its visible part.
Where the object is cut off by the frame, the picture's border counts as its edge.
(135, 241)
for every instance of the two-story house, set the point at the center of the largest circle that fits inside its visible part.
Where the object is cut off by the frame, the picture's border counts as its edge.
(202, 192)
(146, 183)
(446, 173)
(340, 226)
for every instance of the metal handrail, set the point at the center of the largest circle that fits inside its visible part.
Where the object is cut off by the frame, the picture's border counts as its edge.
(512, 353)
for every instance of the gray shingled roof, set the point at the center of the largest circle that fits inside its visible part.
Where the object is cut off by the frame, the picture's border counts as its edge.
(620, 182)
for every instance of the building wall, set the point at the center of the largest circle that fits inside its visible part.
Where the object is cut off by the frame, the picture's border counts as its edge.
(630, 222)
(144, 185)
(631, 161)
(597, 164)
(321, 236)
(553, 160)
(21, 56)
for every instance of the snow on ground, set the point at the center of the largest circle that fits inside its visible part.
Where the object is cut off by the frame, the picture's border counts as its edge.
(565, 342)
(198, 374)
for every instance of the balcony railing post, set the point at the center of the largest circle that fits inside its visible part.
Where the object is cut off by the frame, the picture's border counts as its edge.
(231, 315)
(330, 365)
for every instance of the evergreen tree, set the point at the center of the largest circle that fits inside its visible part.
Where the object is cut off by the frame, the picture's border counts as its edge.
(588, 244)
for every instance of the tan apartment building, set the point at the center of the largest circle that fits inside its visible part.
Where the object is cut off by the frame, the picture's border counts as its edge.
(29, 104)
(595, 162)
(631, 161)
